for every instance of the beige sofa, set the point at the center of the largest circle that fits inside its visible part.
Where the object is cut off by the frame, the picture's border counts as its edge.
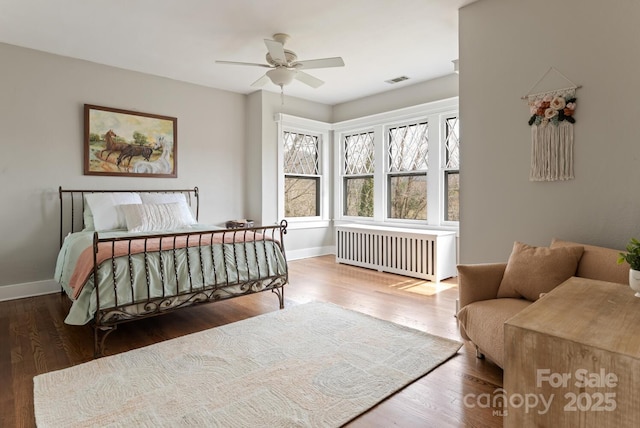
(492, 293)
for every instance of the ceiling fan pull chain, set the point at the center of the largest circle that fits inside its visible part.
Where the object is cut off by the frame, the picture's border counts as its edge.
(281, 95)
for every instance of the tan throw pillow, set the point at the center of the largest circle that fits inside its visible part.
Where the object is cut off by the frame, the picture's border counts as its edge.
(534, 270)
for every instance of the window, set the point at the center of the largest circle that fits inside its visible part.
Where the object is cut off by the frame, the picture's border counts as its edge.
(358, 174)
(407, 172)
(400, 167)
(303, 172)
(301, 175)
(452, 170)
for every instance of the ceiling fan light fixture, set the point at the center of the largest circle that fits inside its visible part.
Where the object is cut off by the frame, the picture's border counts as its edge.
(281, 76)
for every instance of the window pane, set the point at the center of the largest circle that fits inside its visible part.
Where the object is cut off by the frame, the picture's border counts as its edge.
(358, 196)
(358, 154)
(301, 196)
(408, 148)
(452, 144)
(408, 197)
(452, 166)
(300, 153)
(452, 212)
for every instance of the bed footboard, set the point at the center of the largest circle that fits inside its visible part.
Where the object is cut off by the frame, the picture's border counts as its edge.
(141, 277)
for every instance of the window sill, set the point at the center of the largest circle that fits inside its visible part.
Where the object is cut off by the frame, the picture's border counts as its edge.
(307, 224)
(400, 224)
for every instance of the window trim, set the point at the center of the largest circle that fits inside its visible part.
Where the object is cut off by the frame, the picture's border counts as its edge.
(434, 113)
(312, 127)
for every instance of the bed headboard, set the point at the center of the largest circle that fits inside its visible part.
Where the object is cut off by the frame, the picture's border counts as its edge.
(72, 205)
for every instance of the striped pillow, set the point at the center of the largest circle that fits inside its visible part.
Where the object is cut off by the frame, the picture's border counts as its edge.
(157, 217)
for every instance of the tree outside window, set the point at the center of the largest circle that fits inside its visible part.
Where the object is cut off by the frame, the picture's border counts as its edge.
(358, 174)
(452, 170)
(301, 175)
(407, 171)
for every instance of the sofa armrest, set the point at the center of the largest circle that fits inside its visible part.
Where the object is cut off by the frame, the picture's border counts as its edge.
(479, 282)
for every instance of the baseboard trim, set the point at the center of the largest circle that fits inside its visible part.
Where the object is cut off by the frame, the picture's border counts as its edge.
(310, 252)
(28, 289)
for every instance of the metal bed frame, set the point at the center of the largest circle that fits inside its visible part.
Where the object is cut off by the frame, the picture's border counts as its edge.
(234, 243)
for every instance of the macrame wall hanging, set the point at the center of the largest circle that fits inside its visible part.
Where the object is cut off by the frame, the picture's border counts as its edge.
(551, 124)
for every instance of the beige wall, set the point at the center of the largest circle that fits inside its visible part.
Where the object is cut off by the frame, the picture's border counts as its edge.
(505, 47)
(227, 146)
(41, 135)
(404, 96)
(262, 150)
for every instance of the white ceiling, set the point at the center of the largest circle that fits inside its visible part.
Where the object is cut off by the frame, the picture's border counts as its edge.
(181, 39)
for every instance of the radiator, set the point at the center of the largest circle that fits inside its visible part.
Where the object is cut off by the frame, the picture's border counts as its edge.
(425, 254)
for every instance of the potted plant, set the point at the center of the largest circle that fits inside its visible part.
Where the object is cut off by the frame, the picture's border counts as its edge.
(632, 256)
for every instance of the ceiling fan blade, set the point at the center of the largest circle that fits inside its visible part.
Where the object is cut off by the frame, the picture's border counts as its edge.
(276, 50)
(321, 63)
(261, 81)
(243, 63)
(308, 79)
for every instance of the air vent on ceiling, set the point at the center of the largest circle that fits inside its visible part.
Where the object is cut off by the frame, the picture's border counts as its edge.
(397, 80)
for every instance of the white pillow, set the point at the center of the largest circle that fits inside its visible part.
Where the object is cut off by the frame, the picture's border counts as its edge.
(168, 198)
(104, 207)
(162, 198)
(156, 217)
(87, 216)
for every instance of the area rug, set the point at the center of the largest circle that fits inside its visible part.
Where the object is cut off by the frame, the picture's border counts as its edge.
(311, 365)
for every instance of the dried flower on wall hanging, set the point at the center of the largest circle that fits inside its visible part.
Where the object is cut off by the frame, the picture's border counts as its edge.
(552, 109)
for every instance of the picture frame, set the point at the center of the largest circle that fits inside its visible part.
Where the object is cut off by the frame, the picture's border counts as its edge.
(129, 143)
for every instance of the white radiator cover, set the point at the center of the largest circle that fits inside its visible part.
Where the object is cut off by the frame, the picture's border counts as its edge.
(425, 254)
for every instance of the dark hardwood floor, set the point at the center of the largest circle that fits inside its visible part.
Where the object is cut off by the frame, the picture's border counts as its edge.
(34, 340)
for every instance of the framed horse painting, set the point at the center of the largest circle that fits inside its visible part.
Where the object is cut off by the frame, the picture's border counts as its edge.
(129, 143)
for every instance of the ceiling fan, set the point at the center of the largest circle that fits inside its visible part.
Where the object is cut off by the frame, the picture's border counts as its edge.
(285, 66)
